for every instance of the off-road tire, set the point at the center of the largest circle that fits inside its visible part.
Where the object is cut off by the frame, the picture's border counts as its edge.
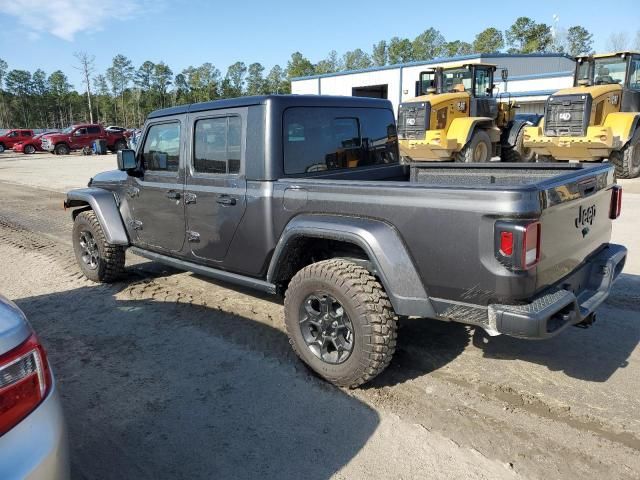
(467, 155)
(120, 145)
(29, 149)
(627, 161)
(544, 159)
(62, 149)
(368, 308)
(518, 153)
(111, 257)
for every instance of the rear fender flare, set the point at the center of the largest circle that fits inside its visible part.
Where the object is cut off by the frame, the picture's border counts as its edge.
(103, 203)
(382, 244)
(510, 134)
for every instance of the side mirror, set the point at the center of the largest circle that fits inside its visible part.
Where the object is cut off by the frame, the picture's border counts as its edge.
(126, 160)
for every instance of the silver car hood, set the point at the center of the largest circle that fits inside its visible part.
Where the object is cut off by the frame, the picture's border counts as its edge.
(14, 327)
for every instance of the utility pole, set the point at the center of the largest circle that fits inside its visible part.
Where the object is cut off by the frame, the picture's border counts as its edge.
(86, 67)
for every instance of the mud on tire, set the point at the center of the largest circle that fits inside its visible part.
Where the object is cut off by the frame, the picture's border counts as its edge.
(365, 304)
(99, 261)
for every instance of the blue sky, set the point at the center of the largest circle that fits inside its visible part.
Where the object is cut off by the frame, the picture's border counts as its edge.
(45, 33)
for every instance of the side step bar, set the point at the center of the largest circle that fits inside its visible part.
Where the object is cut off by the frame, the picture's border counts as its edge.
(214, 273)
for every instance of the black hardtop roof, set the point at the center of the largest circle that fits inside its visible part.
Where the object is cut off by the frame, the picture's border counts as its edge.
(279, 101)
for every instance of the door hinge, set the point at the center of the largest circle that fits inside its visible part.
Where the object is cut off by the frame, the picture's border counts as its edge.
(193, 236)
(190, 198)
(135, 224)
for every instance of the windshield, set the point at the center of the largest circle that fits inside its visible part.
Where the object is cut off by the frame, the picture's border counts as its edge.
(67, 130)
(610, 70)
(457, 80)
(427, 81)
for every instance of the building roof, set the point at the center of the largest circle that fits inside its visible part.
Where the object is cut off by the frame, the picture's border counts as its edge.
(459, 58)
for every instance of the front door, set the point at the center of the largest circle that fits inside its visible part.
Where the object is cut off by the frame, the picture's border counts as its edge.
(156, 198)
(215, 192)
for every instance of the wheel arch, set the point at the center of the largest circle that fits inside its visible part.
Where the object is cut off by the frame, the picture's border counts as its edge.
(461, 129)
(624, 125)
(380, 244)
(103, 203)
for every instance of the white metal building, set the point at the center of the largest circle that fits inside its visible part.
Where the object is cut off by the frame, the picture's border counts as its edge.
(532, 78)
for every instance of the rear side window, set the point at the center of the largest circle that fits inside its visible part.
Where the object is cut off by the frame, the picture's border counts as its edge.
(161, 150)
(93, 130)
(317, 139)
(26, 133)
(217, 145)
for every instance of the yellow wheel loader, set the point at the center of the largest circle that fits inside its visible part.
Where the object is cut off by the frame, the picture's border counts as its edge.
(597, 119)
(456, 117)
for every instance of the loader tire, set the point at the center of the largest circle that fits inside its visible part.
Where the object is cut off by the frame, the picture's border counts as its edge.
(627, 161)
(478, 149)
(518, 153)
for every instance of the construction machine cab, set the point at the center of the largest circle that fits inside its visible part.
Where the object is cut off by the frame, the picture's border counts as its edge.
(476, 79)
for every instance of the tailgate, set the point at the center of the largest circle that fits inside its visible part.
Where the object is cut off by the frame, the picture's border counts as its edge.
(575, 222)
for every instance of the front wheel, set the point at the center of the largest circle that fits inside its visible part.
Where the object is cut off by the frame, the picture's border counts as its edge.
(478, 149)
(120, 145)
(340, 322)
(1, 148)
(99, 261)
(627, 161)
(62, 149)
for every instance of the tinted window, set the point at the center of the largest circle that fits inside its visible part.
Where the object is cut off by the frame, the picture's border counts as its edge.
(93, 130)
(26, 133)
(319, 139)
(161, 149)
(217, 145)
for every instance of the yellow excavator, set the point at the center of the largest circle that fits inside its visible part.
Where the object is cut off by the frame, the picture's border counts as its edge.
(456, 117)
(597, 119)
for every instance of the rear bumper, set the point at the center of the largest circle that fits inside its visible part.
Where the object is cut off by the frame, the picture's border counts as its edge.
(36, 448)
(567, 303)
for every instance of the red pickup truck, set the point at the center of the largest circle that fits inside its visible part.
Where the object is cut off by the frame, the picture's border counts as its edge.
(76, 137)
(14, 136)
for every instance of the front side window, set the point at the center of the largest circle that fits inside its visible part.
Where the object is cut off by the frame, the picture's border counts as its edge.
(427, 82)
(217, 145)
(12, 134)
(483, 83)
(319, 139)
(161, 151)
(81, 131)
(457, 80)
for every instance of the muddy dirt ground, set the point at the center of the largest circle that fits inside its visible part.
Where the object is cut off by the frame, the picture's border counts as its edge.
(169, 375)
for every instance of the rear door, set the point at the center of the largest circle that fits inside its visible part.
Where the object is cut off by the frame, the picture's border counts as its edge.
(575, 222)
(156, 198)
(215, 191)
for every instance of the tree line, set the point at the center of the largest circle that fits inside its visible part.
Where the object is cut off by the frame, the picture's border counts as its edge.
(124, 94)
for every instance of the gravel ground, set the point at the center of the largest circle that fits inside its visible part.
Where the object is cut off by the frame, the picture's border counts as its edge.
(169, 375)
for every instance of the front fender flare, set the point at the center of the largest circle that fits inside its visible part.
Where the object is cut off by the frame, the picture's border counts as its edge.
(103, 203)
(382, 244)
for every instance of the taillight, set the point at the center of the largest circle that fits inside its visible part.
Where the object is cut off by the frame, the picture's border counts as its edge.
(616, 202)
(531, 245)
(518, 245)
(24, 382)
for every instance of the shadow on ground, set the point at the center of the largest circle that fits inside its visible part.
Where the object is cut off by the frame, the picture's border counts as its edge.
(593, 354)
(173, 390)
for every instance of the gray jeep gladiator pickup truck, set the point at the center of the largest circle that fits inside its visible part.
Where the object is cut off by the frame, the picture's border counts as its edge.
(305, 196)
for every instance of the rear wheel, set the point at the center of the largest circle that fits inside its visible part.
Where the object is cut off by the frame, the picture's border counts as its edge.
(478, 149)
(627, 161)
(29, 149)
(99, 261)
(518, 153)
(120, 145)
(62, 149)
(340, 322)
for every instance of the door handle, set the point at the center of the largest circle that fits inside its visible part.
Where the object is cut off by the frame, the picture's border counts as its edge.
(172, 194)
(226, 200)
